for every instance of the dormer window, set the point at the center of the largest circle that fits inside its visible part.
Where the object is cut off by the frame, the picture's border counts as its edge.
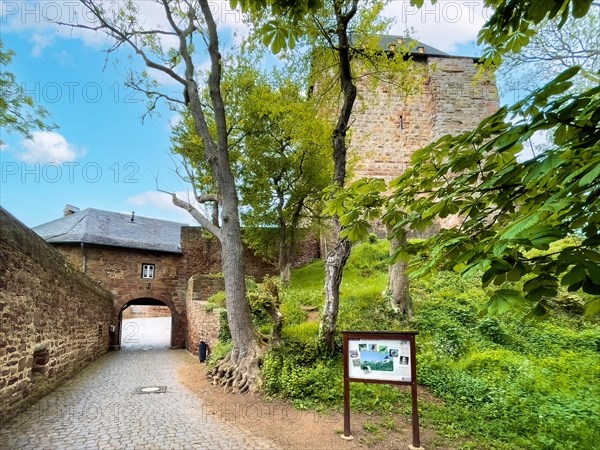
(148, 271)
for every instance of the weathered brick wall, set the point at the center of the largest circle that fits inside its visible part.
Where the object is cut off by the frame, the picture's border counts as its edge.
(49, 309)
(307, 251)
(387, 129)
(203, 323)
(120, 270)
(202, 276)
(459, 101)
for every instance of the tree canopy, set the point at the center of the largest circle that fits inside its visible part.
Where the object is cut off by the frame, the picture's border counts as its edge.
(508, 208)
(279, 148)
(18, 112)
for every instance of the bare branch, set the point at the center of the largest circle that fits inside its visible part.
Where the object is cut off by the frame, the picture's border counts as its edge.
(206, 198)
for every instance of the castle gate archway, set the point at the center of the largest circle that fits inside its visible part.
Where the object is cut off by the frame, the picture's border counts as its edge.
(177, 321)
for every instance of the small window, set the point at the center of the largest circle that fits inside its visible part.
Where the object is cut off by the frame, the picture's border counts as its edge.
(147, 270)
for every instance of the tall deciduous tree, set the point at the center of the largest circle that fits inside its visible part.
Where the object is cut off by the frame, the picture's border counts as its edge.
(286, 167)
(344, 43)
(279, 149)
(192, 26)
(553, 48)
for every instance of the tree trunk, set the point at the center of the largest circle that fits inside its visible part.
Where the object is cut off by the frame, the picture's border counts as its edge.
(337, 258)
(285, 259)
(398, 282)
(241, 369)
(334, 267)
(285, 250)
(285, 271)
(272, 308)
(287, 243)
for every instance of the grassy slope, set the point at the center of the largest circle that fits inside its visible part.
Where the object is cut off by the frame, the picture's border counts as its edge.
(504, 382)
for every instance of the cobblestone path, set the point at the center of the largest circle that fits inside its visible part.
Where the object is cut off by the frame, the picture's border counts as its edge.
(99, 409)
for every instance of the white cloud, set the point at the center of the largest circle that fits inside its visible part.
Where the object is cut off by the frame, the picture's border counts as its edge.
(444, 25)
(160, 200)
(48, 146)
(159, 204)
(40, 42)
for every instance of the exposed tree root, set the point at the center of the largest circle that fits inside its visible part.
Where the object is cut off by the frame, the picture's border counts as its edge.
(240, 376)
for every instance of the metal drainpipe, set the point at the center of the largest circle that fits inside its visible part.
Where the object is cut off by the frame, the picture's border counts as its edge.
(84, 268)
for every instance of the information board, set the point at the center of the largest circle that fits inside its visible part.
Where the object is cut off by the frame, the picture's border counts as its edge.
(379, 359)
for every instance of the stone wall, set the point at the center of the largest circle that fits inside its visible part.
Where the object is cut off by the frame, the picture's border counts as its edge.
(202, 255)
(387, 128)
(54, 319)
(459, 100)
(203, 322)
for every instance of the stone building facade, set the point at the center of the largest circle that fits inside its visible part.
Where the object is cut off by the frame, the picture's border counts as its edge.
(386, 128)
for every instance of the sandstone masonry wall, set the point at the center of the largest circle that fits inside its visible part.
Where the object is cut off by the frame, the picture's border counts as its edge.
(203, 323)
(54, 318)
(136, 311)
(387, 129)
(119, 271)
(202, 255)
(459, 101)
(202, 277)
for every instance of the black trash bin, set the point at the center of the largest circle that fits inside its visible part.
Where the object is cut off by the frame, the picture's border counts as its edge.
(202, 351)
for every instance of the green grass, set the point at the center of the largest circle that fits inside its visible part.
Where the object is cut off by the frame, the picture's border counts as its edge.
(504, 382)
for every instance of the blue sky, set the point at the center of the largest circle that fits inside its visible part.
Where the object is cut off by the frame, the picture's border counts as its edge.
(101, 155)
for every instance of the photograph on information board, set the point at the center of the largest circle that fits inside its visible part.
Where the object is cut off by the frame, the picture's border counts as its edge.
(377, 359)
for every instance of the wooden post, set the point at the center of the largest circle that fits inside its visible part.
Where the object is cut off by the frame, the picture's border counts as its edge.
(347, 435)
(416, 441)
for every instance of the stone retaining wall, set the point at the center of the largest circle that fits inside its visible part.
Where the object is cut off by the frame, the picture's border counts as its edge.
(54, 318)
(203, 321)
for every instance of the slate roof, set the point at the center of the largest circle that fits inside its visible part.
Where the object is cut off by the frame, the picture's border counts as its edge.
(95, 226)
(385, 40)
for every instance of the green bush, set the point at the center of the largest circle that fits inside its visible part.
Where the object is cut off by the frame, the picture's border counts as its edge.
(492, 329)
(217, 298)
(218, 351)
(306, 385)
(304, 333)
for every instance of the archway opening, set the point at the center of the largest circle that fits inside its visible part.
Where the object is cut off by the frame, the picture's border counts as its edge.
(146, 324)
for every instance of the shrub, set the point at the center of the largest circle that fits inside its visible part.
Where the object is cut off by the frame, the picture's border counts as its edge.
(506, 382)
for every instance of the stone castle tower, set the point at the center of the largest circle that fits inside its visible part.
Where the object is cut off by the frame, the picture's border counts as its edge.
(387, 129)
